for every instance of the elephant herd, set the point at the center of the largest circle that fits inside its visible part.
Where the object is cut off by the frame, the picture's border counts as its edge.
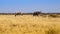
(34, 14)
(39, 13)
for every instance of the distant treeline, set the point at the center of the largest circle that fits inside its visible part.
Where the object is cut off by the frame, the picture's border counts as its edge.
(15, 13)
(25, 13)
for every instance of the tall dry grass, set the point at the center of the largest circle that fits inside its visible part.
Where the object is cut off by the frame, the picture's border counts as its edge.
(27, 24)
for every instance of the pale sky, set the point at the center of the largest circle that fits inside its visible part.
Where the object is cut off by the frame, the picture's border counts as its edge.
(29, 5)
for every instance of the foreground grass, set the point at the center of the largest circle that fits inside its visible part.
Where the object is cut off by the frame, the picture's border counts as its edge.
(27, 24)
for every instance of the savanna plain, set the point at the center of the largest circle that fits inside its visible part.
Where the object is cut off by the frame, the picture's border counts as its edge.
(28, 24)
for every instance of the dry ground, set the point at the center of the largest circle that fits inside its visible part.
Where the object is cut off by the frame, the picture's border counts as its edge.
(27, 24)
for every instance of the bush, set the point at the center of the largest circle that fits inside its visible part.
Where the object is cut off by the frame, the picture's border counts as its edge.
(53, 16)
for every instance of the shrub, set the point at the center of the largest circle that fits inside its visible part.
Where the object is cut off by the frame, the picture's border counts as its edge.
(53, 16)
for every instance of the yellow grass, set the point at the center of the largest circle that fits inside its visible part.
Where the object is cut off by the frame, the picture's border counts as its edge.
(28, 24)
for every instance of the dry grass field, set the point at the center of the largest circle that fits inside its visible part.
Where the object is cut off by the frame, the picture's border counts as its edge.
(28, 24)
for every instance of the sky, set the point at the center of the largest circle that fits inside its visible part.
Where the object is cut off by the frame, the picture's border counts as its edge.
(46, 6)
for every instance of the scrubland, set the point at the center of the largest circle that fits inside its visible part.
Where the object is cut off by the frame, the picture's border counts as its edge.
(28, 24)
